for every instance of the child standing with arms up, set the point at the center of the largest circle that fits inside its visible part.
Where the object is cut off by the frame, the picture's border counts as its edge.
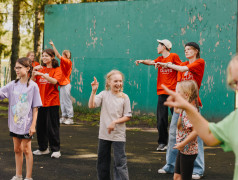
(115, 111)
(24, 99)
(186, 137)
(65, 86)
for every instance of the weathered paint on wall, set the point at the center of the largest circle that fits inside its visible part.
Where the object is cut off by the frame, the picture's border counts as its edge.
(112, 35)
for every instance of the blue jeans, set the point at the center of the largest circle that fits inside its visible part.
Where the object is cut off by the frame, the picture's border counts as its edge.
(104, 160)
(171, 153)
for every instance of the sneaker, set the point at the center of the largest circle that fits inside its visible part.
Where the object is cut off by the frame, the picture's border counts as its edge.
(162, 171)
(62, 119)
(68, 121)
(161, 147)
(56, 154)
(38, 152)
(17, 178)
(28, 179)
(196, 176)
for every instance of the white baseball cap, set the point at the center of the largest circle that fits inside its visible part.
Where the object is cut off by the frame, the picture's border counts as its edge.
(165, 42)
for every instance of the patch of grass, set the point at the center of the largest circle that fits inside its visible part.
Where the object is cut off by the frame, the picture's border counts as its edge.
(82, 114)
(3, 108)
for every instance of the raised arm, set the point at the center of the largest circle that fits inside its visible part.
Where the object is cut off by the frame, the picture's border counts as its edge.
(146, 62)
(200, 124)
(172, 66)
(55, 50)
(91, 101)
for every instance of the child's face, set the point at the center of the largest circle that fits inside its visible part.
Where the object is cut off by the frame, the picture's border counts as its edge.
(46, 58)
(115, 83)
(21, 70)
(234, 75)
(190, 52)
(160, 48)
(31, 56)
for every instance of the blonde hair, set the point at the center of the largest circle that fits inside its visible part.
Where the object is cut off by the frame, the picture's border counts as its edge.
(190, 88)
(231, 63)
(30, 52)
(67, 54)
(108, 78)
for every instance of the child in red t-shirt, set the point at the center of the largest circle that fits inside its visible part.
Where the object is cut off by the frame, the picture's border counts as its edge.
(65, 86)
(31, 56)
(169, 78)
(47, 77)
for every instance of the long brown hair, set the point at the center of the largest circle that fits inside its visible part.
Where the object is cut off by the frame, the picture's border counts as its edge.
(51, 53)
(26, 62)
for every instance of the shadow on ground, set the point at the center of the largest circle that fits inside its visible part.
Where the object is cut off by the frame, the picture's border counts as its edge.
(79, 154)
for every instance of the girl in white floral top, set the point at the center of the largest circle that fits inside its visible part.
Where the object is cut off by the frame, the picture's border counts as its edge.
(186, 136)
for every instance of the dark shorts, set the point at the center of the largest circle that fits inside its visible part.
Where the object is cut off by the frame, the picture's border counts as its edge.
(24, 136)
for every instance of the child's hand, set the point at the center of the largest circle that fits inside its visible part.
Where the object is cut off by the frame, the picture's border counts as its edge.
(94, 85)
(37, 73)
(111, 127)
(32, 130)
(138, 62)
(37, 68)
(157, 65)
(51, 43)
(179, 146)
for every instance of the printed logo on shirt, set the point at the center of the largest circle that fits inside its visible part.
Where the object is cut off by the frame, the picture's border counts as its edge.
(20, 109)
(166, 70)
(187, 76)
(43, 80)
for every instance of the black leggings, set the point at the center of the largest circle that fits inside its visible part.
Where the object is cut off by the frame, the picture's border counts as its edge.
(184, 165)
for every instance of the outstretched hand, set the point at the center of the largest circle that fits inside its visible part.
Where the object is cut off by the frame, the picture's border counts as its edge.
(95, 85)
(51, 43)
(175, 99)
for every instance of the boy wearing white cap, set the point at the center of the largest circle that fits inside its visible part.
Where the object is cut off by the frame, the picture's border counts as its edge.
(168, 77)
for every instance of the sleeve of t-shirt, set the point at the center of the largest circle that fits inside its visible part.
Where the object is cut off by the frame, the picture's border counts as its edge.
(98, 99)
(65, 64)
(36, 97)
(127, 107)
(158, 59)
(57, 74)
(223, 129)
(197, 67)
(176, 60)
(5, 90)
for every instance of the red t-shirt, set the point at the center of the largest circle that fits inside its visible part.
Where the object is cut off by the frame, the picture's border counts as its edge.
(66, 68)
(195, 72)
(49, 92)
(35, 63)
(167, 76)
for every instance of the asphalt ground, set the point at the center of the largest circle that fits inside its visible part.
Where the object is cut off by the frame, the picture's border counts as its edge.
(79, 154)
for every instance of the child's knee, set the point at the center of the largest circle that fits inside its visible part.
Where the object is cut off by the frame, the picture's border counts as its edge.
(27, 150)
(18, 149)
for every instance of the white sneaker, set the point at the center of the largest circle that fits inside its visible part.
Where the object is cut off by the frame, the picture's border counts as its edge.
(17, 178)
(161, 171)
(56, 154)
(62, 119)
(68, 121)
(38, 152)
(196, 176)
(28, 179)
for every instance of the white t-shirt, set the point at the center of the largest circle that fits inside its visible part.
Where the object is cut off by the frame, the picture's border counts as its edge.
(112, 108)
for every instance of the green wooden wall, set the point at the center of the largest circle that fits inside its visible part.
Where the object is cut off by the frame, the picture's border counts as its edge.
(112, 35)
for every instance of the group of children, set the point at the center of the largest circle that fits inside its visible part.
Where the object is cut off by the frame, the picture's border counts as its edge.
(26, 96)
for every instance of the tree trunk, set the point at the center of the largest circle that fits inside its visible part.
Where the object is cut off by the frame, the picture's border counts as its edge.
(37, 33)
(15, 36)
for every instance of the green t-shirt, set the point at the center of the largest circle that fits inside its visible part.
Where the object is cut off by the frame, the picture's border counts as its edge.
(226, 132)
